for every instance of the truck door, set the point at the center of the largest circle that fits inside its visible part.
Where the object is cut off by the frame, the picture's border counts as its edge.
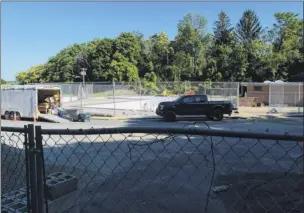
(201, 103)
(187, 106)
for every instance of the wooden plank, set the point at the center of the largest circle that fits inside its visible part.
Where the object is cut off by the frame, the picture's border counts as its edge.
(53, 118)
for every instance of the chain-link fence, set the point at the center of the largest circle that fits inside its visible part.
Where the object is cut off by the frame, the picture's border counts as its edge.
(144, 97)
(14, 170)
(72, 91)
(286, 97)
(160, 170)
(140, 96)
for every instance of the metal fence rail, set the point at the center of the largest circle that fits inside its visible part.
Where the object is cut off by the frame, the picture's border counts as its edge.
(159, 170)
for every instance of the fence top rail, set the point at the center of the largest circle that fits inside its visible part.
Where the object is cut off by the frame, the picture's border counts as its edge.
(14, 129)
(192, 131)
(271, 83)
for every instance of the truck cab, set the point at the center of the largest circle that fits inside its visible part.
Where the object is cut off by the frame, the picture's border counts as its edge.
(191, 105)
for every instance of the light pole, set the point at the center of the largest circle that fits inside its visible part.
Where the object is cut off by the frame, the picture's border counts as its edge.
(83, 73)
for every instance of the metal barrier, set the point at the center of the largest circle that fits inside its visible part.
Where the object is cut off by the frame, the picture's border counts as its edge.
(163, 170)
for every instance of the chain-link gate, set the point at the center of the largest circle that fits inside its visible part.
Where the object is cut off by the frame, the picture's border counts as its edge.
(18, 170)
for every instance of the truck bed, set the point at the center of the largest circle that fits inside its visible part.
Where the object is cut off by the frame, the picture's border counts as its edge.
(53, 118)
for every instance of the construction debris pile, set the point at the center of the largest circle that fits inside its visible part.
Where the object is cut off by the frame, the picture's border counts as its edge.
(50, 105)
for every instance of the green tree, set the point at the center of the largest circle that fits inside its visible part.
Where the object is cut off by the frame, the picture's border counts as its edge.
(244, 53)
(190, 43)
(65, 66)
(161, 55)
(239, 64)
(145, 63)
(33, 75)
(3, 82)
(249, 30)
(223, 32)
(122, 70)
(249, 27)
(222, 48)
(129, 46)
(259, 62)
(101, 53)
(149, 84)
(286, 36)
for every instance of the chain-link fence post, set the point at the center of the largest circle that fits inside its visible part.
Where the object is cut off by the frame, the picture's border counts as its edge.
(40, 170)
(238, 95)
(114, 102)
(299, 107)
(32, 168)
(139, 94)
(269, 97)
(27, 172)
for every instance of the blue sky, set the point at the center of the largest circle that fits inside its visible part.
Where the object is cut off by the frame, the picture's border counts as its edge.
(34, 31)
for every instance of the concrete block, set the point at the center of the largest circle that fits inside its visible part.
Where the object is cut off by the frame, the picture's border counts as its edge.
(60, 184)
(15, 196)
(6, 202)
(65, 203)
(14, 201)
(15, 193)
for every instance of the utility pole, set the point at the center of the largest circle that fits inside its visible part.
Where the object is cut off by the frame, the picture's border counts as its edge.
(83, 73)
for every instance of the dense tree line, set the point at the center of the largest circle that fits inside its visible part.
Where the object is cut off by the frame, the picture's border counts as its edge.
(3, 82)
(246, 52)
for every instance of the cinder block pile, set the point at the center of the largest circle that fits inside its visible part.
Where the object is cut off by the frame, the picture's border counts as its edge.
(62, 193)
(62, 196)
(14, 201)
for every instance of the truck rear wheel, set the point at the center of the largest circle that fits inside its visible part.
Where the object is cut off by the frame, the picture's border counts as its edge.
(218, 115)
(170, 116)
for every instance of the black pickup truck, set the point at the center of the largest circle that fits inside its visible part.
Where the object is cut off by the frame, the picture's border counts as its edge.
(190, 105)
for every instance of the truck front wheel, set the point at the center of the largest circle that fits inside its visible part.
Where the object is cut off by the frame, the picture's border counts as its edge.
(218, 115)
(169, 116)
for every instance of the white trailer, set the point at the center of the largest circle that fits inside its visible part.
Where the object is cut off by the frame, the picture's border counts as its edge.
(23, 101)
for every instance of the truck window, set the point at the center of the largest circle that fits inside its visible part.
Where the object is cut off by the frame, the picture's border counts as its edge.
(201, 99)
(188, 100)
